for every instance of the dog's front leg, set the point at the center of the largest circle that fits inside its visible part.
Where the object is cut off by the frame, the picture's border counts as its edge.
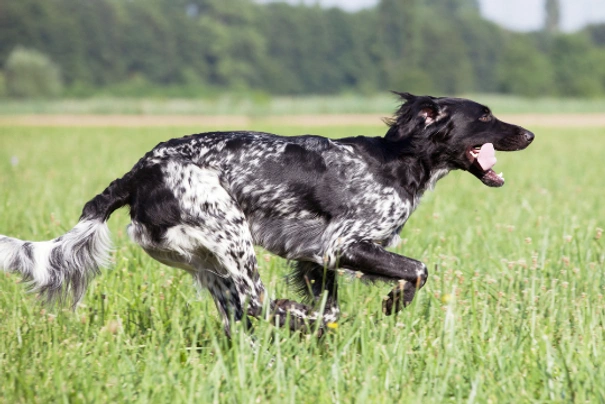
(376, 263)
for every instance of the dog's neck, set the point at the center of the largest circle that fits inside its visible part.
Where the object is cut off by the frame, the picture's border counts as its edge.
(409, 169)
(420, 174)
(435, 176)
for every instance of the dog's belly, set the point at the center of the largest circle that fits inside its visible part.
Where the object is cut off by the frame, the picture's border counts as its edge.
(303, 235)
(296, 239)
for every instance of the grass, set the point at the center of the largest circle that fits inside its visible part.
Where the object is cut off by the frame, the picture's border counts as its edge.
(261, 105)
(513, 310)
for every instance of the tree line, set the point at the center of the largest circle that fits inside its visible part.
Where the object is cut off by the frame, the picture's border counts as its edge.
(197, 47)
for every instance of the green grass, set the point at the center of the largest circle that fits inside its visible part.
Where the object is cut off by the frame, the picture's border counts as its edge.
(513, 310)
(261, 105)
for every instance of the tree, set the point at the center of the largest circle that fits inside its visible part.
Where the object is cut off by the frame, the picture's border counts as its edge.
(233, 49)
(446, 59)
(453, 8)
(400, 26)
(484, 42)
(597, 34)
(31, 74)
(525, 71)
(149, 44)
(400, 34)
(553, 17)
(577, 66)
(138, 47)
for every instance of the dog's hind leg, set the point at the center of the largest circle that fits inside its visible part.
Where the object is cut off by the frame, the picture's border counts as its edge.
(220, 259)
(231, 302)
(242, 293)
(223, 261)
(313, 282)
(235, 299)
(210, 237)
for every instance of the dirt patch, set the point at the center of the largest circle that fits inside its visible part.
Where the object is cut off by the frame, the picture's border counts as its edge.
(123, 120)
(239, 121)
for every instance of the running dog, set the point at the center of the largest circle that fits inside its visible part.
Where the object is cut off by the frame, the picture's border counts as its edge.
(201, 203)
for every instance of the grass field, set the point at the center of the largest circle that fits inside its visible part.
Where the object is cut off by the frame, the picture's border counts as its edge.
(513, 310)
(263, 105)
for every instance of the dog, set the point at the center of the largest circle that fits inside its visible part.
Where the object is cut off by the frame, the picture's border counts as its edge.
(201, 203)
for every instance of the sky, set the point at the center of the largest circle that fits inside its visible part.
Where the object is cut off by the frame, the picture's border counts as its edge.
(521, 15)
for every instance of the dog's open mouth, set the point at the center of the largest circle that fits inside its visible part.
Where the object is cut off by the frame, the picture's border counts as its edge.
(483, 158)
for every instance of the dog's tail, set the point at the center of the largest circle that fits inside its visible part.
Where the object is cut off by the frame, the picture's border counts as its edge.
(62, 268)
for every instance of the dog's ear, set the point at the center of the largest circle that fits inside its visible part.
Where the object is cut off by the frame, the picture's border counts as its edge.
(429, 113)
(428, 108)
(406, 96)
(413, 118)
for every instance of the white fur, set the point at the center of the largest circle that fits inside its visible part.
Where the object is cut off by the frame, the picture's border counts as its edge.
(80, 253)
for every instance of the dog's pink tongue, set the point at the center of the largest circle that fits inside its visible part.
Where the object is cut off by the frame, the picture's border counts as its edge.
(487, 156)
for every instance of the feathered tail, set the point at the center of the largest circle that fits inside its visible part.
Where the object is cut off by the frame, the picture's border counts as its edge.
(62, 268)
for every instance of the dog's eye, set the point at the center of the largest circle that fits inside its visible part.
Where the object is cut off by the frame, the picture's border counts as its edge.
(486, 118)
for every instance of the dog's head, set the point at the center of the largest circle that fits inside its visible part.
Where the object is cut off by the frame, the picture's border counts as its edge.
(455, 133)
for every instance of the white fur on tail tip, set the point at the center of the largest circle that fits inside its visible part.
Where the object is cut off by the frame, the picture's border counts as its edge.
(61, 266)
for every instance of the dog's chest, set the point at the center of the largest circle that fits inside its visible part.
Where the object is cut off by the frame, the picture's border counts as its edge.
(385, 217)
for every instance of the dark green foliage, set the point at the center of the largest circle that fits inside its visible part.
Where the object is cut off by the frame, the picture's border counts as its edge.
(578, 66)
(311, 50)
(525, 70)
(31, 74)
(2, 85)
(201, 47)
(597, 34)
(485, 41)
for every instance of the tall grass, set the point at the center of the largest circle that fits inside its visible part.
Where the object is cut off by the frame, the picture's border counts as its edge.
(261, 105)
(513, 310)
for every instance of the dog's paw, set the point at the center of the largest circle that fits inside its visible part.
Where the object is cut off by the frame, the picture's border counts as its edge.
(398, 298)
(298, 316)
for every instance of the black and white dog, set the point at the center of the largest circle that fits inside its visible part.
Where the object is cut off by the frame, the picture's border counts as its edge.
(202, 202)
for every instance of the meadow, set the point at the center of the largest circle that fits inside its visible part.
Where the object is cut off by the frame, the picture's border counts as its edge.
(513, 310)
(261, 105)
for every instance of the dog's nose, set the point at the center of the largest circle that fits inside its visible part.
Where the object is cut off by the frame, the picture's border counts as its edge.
(528, 136)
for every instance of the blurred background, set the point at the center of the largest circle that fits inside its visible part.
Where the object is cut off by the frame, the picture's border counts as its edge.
(262, 49)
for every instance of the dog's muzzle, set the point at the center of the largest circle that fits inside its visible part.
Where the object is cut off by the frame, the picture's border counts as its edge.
(482, 160)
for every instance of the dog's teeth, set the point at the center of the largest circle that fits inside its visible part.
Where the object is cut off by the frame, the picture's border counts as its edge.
(501, 175)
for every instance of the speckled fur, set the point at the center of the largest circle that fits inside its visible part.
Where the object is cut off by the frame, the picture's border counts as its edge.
(200, 203)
